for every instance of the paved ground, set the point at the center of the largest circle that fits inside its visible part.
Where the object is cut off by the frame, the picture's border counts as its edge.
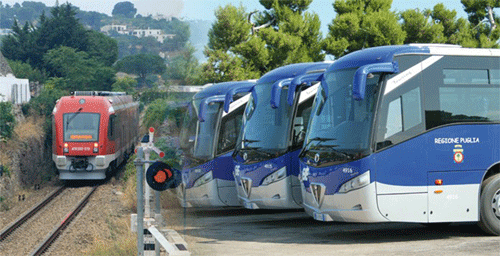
(245, 232)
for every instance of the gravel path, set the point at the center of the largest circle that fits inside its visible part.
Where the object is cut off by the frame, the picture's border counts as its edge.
(32, 198)
(95, 224)
(29, 235)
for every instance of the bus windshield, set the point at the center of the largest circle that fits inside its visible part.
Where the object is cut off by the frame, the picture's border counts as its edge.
(81, 127)
(265, 131)
(340, 128)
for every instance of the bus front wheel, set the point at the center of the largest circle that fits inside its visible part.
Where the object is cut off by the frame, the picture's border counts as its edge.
(490, 205)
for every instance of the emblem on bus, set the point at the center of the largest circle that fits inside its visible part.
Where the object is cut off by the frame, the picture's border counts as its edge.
(305, 174)
(246, 184)
(316, 158)
(245, 156)
(458, 155)
(318, 192)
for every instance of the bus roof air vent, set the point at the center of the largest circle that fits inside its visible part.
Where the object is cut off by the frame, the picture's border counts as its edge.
(437, 45)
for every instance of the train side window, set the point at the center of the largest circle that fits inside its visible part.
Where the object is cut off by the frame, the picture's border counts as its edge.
(111, 127)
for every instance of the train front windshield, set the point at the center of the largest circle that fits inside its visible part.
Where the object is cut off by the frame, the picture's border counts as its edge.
(341, 126)
(81, 127)
(265, 132)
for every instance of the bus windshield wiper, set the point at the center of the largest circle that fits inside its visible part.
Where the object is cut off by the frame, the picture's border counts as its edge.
(319, 139)
(250, 141)
(256, 149)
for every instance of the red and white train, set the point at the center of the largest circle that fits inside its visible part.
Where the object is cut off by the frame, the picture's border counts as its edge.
(92, 133)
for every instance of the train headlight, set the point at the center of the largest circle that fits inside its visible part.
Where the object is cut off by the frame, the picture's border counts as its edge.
(96, 147)
(66, 148)
(275, 176)
(100, 160)
(61, 161)
(206, 178)
(355, 183)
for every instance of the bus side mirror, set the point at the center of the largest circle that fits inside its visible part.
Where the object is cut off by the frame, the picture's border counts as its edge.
(160, 176)
(276, 91)
(202, 115)
(307, 79)
(230, 94)
(359, 83)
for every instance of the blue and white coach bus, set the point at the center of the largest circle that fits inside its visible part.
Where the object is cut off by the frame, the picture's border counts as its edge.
(208, 138)
(265, 158)
(406, 133)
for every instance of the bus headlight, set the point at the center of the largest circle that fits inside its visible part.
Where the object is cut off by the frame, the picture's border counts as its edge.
(355, 183)
(275, 176)
(206, 178)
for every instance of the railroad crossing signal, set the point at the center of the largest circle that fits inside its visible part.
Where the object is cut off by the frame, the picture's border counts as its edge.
(160, 176)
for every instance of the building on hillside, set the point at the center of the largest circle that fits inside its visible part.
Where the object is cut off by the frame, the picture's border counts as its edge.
(156, 33)
(120, 29)
(123, 30)
(12, 89)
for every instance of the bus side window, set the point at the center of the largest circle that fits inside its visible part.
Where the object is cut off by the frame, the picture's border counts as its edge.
(229, 129)
(400, 119)
(300, 122)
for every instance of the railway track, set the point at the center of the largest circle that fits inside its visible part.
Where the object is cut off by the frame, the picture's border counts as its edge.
(34, 231)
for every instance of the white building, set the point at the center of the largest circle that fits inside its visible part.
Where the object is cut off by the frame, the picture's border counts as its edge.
(12, 89)
(120, 29)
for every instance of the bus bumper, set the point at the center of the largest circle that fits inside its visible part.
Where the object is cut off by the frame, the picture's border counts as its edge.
(277, 195)
(354, 206)
(215, 193)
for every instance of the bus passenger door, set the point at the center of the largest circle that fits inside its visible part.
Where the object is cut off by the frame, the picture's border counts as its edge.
(401, 175)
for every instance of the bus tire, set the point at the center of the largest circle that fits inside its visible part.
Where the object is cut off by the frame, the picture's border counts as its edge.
(489, 218)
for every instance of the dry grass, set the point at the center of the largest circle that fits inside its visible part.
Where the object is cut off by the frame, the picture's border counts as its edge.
(121, 242)
(30, 127)
(23, 131)
(130, 194)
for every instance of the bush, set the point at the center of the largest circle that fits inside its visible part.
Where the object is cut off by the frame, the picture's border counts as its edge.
(7, 120)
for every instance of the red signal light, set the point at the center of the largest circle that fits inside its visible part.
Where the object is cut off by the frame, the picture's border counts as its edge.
(160, 176)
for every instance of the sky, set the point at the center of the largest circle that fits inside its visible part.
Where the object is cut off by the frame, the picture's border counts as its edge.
(204, 9)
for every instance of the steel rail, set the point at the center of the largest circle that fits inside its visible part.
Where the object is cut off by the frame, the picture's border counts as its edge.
(30, 213)
(51, 238)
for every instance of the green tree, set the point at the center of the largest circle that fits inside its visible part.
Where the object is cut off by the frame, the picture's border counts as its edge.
(361, 24)
(43, 104)
(483, 21)
(243, 47)
(182, 67)
(102, 47)
(7, 120)
(126, 9)
(141, 65)
(126, 84)
(80, 71)
(24, 70)
(420, 28)
(29, 44)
